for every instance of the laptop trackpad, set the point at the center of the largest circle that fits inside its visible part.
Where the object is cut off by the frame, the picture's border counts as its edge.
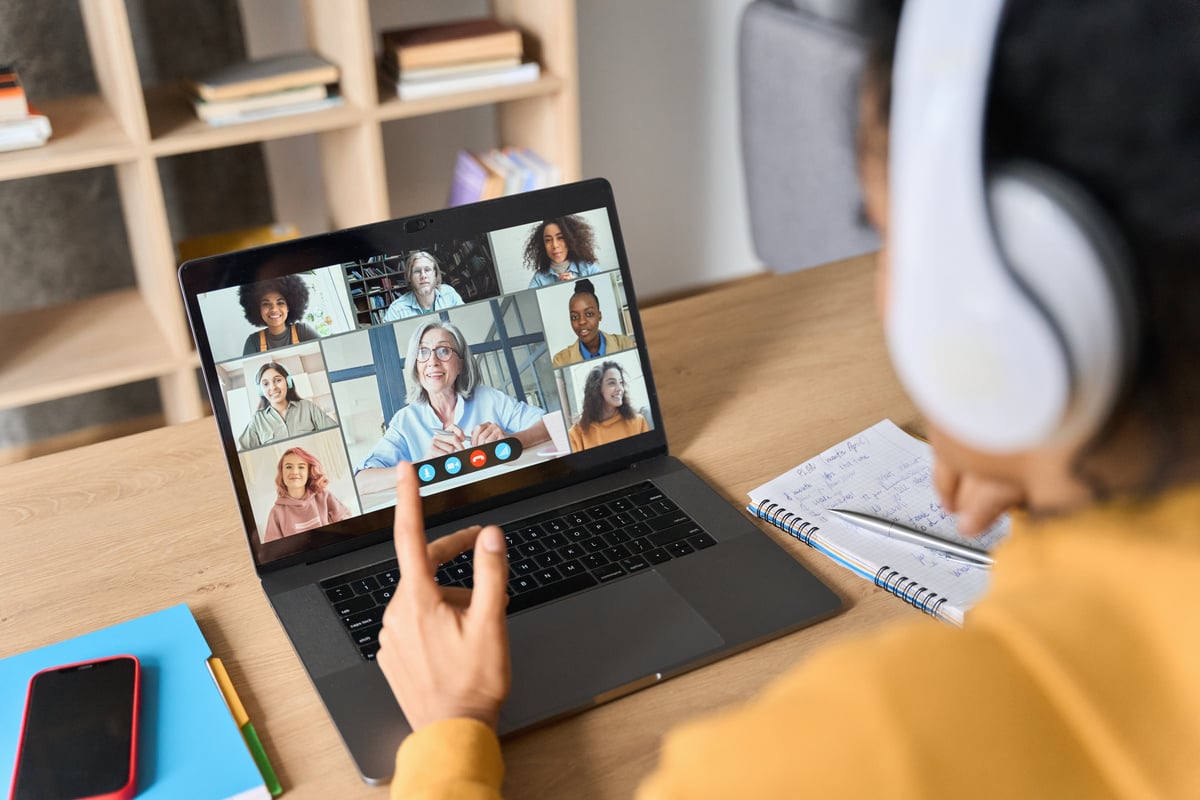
(567, 653)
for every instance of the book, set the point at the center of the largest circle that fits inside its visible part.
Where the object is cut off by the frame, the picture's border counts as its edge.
(240, 239)
(470, 178)
(468, 81)
(190, 743)
(13, 103)
(442, 71)
(255, 115)
(215, 109)
(884, 472)
(32, 130)
(480, 39)
(263, 75)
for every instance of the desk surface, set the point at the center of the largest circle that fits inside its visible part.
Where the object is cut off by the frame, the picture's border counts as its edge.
(753, 378)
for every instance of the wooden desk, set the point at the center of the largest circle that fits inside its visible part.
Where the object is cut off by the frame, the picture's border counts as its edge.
(753, 378)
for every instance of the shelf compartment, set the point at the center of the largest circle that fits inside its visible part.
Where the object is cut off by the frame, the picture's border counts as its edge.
(175, 129)
(391, 108)
(85, 134)
(107, 340)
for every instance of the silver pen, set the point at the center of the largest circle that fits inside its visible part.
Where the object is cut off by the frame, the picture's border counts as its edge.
(905, 534)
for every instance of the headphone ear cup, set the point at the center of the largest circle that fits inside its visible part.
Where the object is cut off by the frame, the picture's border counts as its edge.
(290, 383)
(1069, 260)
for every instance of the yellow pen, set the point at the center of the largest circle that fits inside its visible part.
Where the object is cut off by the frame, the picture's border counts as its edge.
(242, 720)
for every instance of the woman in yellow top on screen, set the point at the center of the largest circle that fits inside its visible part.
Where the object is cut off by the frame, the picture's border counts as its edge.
(607, 415)
(560, 249)
(426, 292)
(279, 304)
(585, 321)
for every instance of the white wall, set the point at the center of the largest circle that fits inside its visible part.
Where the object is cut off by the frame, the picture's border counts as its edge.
(659, 114)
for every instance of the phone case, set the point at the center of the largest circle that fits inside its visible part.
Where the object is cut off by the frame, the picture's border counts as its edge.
(127, 791)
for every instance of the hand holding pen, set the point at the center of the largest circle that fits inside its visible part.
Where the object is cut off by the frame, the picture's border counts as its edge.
(447, 440)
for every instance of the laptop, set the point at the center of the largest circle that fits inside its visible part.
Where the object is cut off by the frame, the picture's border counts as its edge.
(625, 567)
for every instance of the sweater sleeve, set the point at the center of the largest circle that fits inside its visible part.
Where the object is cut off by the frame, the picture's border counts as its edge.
(453, 758)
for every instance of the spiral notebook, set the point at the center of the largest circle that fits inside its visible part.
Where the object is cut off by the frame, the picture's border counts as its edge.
(886, 473)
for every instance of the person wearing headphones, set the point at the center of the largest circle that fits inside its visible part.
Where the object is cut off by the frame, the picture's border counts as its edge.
(1031, 166)
(281, 413)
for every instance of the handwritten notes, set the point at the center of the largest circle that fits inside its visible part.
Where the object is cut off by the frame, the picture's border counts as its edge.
(886, 473)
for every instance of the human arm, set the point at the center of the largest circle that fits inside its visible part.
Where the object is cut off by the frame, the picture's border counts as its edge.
(249, 437)
(445, 655)
(335, 509)
(273, 531)
(252, 344)
(377, 473)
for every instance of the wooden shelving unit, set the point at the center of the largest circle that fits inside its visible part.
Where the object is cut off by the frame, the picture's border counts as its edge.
(136, 334)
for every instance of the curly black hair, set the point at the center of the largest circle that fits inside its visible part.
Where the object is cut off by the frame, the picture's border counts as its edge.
(581, 243)
(292, 287)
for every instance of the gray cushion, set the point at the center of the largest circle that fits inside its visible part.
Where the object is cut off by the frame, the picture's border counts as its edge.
(798, 84)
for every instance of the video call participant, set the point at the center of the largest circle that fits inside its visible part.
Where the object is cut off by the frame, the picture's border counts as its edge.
(560, 249)
(281, 413)
(449, 408)
(426, 292)
(1075, 675)
(584, 308)
(279, 304)
(304, 502)
(607, 415)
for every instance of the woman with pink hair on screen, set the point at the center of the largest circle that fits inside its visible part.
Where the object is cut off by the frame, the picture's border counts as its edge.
(303, 502)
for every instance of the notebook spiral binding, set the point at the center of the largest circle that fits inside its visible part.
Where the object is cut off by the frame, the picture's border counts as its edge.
(781, 518)
(909, 591)
(886, 578)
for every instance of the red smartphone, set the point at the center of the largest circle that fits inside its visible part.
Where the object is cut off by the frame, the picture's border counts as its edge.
(79, 736)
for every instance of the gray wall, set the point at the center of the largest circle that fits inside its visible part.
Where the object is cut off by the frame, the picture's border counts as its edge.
(62, 237)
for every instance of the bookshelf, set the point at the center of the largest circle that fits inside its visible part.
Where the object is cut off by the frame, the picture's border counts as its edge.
(135, 334)
(375, 282)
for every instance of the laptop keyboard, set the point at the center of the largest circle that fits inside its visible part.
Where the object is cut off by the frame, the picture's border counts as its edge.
(550, 555)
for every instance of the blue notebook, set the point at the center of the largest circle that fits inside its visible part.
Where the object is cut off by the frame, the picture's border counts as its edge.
(188, 743)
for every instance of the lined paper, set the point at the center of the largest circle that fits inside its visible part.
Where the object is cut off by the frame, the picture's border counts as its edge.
(886, 473)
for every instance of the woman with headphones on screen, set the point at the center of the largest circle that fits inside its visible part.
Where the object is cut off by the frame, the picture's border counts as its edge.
(1032, 166)
(281, 413)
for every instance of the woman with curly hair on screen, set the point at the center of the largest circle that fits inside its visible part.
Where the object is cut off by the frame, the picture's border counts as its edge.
(278, 303)
(560, 249)
(303, 502)
(607, 414)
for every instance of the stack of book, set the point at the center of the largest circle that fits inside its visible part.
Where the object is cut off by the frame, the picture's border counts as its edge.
(269, 87)
(455, 57)
(21, 125)
(485, 174)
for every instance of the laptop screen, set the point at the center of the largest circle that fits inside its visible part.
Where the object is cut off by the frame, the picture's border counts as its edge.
(497, 347)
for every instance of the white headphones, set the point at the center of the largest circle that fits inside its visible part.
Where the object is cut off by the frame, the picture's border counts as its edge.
(1010, 319)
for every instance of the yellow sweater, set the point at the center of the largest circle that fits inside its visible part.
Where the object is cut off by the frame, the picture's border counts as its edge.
(610, 430)
(1077, 676)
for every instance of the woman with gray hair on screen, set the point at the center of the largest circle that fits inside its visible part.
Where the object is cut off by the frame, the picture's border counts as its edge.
(449, 406)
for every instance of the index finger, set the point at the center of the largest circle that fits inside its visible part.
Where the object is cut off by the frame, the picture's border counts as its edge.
(409, 533)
